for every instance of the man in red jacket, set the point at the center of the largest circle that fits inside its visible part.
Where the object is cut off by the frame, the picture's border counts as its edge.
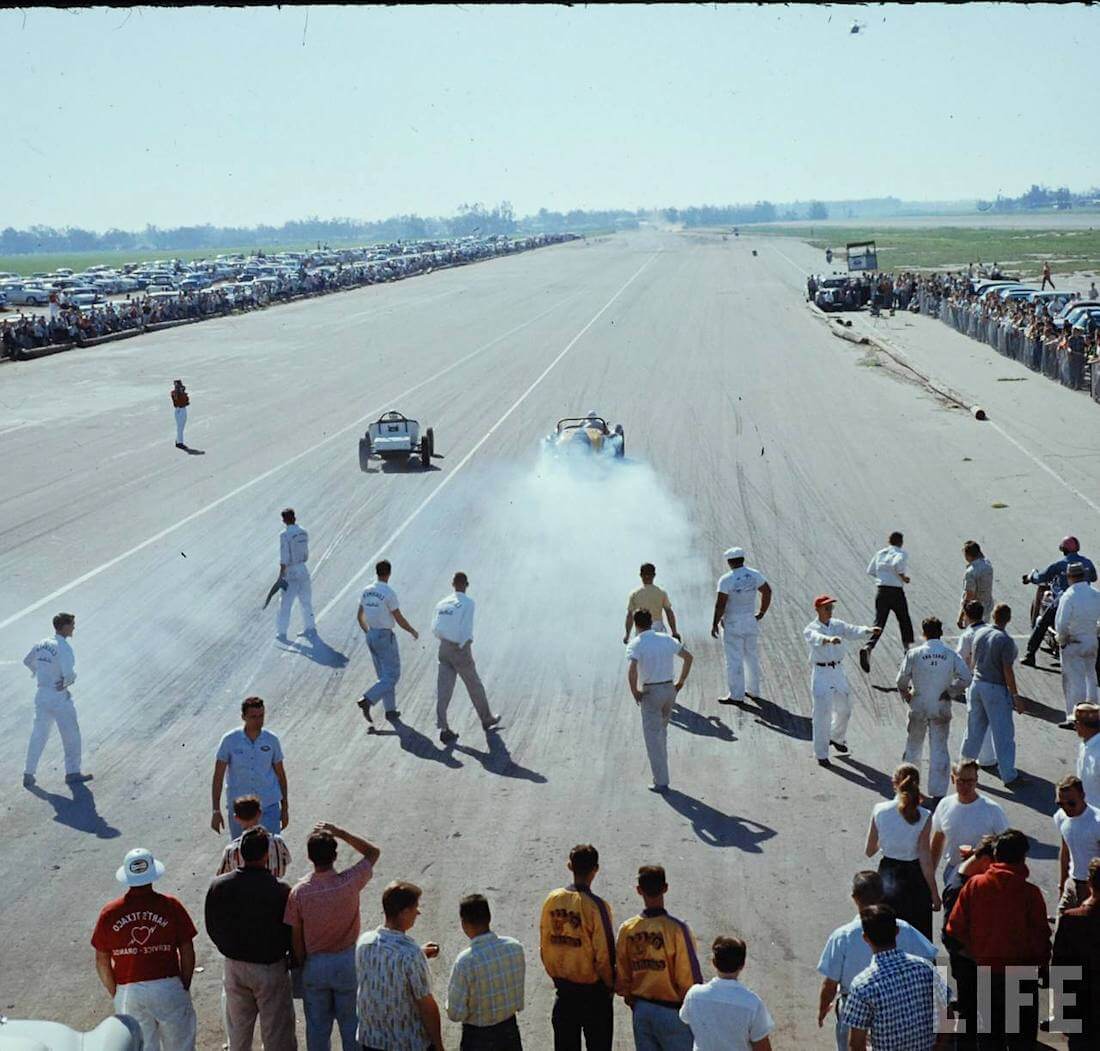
(980, 921)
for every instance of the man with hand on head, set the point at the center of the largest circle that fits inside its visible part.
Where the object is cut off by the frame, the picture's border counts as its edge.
(827, 638)
(651, 598)
(735, 610)
(378, 613)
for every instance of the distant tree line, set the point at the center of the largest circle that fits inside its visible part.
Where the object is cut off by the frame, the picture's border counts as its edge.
(1042, 197)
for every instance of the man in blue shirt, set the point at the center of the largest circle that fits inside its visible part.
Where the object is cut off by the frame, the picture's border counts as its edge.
(846, 953)
(1055, 577)
(253, 758)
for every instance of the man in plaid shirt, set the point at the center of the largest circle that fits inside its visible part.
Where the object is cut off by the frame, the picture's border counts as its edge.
(486, 988)
(247, 811)
(898, 1000)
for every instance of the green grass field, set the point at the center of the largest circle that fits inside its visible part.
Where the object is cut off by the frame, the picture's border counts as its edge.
(953, 247)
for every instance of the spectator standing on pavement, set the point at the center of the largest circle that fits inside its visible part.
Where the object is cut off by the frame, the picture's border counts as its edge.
(1078, 825)
(53, 665)
(900, 829)
(486, 988)
(293, 556)
(453, 625)
(890, 568)
(977, 580)
(397, 1011)
(323, 914)
(977, 923)
(650, 677)
(1086, 720)
(992, 697)
(735, 610)
(1076, 623)
(651, 598)
(1055, 577)
(180, 400)
(379, 611)
(252, 757)
(827, 638)
(656, 965)
(247, 811)
(723, 1014)
(928, 675)
(897, 1002)
(145, 956)
(974, 617)
(577, 947)
(1077, 945)
(244, 918)
(961, 821)
(847, 954)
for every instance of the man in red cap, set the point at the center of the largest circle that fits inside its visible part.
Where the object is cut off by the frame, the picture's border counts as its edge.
(827, 638)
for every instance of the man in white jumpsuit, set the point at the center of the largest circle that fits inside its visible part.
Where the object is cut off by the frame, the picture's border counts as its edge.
(926, 675)
(53, 665)
(293, 555)
(827, 639)
(735, 610)
(1075, 624)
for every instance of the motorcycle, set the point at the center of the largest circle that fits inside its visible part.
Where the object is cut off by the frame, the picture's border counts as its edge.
(1040, 603)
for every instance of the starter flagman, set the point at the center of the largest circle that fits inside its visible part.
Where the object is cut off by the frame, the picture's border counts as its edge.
(735, 610)
(827, 639)
(293, 555)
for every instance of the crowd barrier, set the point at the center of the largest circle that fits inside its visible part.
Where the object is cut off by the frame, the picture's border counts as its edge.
(1065, 365)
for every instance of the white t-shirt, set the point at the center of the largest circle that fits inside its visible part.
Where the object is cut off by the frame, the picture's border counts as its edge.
(378, 602)
(653, 651)
(724, 1015)
(1082, 836)
(454, 619)
(965, 823)
(897, 838)
(1088, 768)
(740, 587)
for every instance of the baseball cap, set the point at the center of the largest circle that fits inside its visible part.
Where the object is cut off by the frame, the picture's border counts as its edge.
(734, 552)
(139, 868)
(823, 600)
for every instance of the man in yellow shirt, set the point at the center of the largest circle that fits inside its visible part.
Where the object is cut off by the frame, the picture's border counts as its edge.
(656, 964)
(577, 947)
(652, 598)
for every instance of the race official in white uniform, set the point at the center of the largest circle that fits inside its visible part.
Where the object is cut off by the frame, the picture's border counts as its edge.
(53, 665)
(735, 611)
(927, 674)
(1076, 625)
(650, 677)
(293, 556)
(379, 612)
(890, 569)
(828, 639)
(453, 625)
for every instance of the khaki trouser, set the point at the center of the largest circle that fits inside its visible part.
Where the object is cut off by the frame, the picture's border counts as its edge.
(258, 989)
(656, 704)
(458, 661)
(163, 1010)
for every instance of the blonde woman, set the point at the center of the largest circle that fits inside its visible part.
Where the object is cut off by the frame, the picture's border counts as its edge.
(901, 829)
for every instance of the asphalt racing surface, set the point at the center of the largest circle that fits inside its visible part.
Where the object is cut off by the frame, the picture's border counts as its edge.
(746, 423)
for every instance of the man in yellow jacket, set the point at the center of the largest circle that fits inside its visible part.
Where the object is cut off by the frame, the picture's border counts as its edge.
(578, 951)
(657, 965)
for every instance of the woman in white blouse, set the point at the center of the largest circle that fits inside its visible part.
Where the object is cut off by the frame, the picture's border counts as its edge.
(901, 829)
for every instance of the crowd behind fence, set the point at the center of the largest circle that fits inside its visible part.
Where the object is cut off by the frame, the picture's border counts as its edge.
(79, 325)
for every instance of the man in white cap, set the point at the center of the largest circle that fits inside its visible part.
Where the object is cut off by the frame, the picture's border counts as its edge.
(293, 556)
(827, 639)
(735, 610)
(53, 665)
(145, 956)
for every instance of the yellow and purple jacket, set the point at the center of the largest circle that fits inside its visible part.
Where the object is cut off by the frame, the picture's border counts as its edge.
(656, 958)
(576, 939)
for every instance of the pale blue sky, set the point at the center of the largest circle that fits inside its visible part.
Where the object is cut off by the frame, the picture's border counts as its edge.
(115, 118)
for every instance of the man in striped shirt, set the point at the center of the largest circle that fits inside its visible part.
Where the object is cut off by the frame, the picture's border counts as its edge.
(247, 811)
(486, 987)
(656, 965)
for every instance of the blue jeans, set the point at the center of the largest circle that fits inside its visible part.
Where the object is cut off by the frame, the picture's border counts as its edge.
(382, 643)
(658, 1028)
(329, 993)
(989, 707)
(271, 817)
(842, 1032)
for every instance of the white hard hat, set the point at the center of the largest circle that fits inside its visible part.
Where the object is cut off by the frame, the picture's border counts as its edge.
(139, 868)
(734, 552)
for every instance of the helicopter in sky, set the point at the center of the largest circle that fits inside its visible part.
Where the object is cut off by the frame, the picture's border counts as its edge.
(856, 27)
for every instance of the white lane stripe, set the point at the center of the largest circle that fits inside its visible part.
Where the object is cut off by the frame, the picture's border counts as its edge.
(369, 564)
(372, 414)
(999, 429)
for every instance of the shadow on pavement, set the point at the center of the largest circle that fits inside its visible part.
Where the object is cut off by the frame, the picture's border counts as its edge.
(415, 743)
(862, 775)
(1036, 793)
(703, 725)
(317, 650)
(79, 812)
(194, 452)
(717, 829)
(498, 760)
(1038, 710)
(779, 719)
